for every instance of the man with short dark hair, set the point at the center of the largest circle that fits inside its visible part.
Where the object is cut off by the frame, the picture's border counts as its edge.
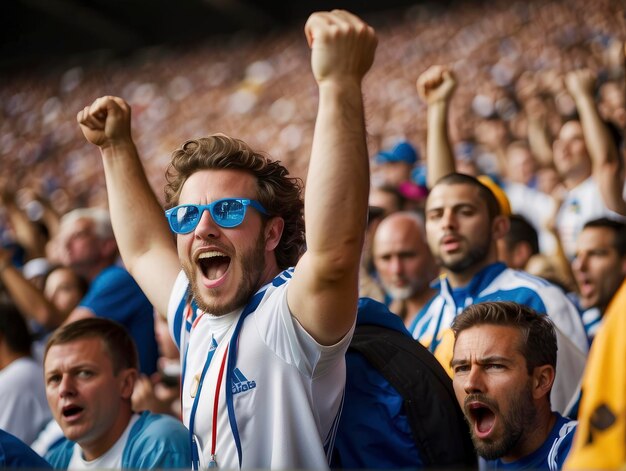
(90, 369)
(519, 244)
(599, 268)
(504, 363)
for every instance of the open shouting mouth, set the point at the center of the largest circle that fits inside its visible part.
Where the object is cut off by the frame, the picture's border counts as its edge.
(482, 418)
(213, 264)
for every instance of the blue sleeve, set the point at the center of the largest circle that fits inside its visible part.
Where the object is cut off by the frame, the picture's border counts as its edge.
(162, 443)
(14, 453)
(114, 294)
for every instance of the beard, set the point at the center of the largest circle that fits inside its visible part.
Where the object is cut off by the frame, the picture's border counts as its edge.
(399, 294)
(252, 264)
(515, 424)
(474, 256)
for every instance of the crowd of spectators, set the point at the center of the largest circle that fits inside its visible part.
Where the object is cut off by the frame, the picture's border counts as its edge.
(508, 57)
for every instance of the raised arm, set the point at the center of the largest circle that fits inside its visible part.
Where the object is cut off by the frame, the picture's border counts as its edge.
(25, 231)
(143, 236)
(324, 292)
(436, 86)
(607, 168)
(29, 299)
(539, 139)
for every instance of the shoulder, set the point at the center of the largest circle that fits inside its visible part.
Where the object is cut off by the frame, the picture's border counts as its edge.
(112, 280)
(112, 273)
(157, 426)
(561, 439)
(524, 288)
(60, 453)
(157, 441)
(21, 372)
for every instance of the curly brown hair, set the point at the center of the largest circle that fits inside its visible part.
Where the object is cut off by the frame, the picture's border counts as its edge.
(279, 194)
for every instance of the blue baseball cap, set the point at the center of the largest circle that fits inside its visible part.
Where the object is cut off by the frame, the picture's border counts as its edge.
(402, 152)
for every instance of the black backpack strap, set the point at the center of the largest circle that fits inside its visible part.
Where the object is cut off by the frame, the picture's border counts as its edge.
(437, 423)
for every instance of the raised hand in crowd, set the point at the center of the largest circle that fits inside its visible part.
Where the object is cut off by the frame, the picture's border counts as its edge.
(436, 87)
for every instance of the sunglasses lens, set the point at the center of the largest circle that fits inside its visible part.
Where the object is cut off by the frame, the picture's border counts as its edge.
(185, 219)
(228, 213)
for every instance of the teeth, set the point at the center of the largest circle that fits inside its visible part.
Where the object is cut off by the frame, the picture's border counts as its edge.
(211, 254)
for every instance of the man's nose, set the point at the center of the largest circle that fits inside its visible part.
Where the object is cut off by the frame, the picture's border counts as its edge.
(473, 381)
(395, 265)
(66, 386)
(448, 219)
(207, 228)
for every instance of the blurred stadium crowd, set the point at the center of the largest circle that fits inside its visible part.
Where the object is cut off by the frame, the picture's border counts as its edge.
(508, 58)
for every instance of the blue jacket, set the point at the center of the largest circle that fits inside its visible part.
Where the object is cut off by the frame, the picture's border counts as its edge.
(14, 453)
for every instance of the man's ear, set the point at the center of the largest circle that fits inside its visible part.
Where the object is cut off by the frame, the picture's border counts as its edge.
(273, 232)
(500, 226)
(127, 379)
(543, 378)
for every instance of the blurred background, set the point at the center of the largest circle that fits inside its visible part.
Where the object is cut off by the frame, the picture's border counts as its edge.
(194, 67)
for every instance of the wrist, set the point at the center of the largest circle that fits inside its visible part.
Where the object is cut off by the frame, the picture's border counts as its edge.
(339, 84)
(121, 147)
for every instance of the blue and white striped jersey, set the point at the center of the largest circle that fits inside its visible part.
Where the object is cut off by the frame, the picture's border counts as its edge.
(496, 282)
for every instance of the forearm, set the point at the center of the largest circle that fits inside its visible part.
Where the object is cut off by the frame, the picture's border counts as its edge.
(29, 299)
(597, 138)
(24, 231)
(50, 217)
(606, 166)
(136, 215)
(539, 143)
(439, 154)
(338, 179)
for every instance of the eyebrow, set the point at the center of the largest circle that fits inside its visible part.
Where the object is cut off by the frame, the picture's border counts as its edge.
(482, 361)
(455, 207)
(73, 368)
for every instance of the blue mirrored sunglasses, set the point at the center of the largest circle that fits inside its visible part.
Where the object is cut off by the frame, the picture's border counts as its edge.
(227, 212)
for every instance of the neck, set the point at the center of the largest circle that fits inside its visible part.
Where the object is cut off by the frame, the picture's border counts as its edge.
(415, 304)
(534, 436)
(574, 179)
(269, 273)
(99, 446)
(463, 278)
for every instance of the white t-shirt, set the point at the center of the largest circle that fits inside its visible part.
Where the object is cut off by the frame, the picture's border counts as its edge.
(112, 459)
(537, 208)
(24, 410)
(287, 388)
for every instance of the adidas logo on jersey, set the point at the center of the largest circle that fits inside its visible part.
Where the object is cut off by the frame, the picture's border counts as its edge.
(241, 383)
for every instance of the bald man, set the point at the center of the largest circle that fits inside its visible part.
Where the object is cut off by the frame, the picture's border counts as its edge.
(404, 264)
